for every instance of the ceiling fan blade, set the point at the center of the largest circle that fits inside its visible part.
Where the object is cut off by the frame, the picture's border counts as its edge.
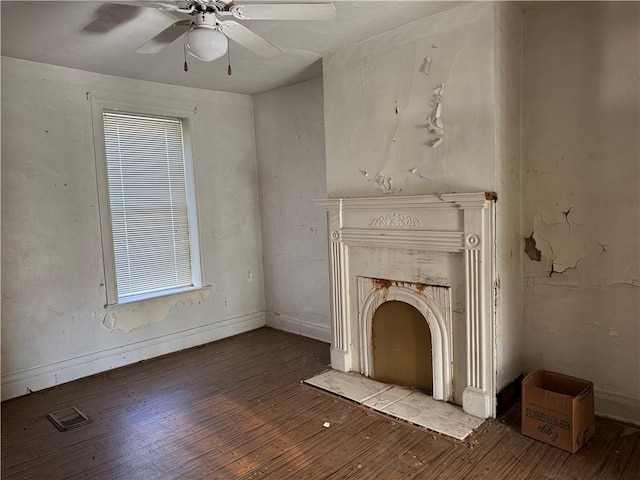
(249, 40)
(109, 16)
(284, 11)
(165, 37)
(147, 4)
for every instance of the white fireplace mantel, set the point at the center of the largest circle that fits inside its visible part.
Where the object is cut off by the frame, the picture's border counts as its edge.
(396, 230)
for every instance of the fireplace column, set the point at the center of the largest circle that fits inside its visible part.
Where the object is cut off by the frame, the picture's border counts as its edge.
(340, 351)
(478, 397)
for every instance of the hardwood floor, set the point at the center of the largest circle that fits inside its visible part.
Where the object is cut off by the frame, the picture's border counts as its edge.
(235, 409)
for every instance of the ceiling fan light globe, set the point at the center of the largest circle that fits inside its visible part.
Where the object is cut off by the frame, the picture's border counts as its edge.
(206, 44)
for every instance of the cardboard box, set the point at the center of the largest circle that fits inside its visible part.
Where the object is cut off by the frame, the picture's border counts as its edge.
(558, 409)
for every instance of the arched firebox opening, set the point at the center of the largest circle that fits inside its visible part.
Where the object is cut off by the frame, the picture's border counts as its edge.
(433, 304)
(401, 346)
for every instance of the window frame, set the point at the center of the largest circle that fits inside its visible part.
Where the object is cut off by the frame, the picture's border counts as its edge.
(101, 103)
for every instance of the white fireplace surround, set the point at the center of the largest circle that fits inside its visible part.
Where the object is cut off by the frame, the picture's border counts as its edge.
(389, 239)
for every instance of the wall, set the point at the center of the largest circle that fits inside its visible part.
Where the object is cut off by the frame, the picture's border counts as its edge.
(581, 202)
(434, 107)
(289, 128)
(54, 324)
(378, 97)
(508, 151)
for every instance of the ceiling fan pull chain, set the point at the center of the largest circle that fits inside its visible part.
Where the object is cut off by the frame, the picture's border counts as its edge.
(184, 50)
(229, 72)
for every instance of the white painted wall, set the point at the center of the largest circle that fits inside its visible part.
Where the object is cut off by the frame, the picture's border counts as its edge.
(379, 92)
(53, 291)
(582, 156)
(508, 149)
(378, 95)
(289, 126)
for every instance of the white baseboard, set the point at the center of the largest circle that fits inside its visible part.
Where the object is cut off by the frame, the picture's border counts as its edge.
(33, 379)
(618, 406)
(296, 325)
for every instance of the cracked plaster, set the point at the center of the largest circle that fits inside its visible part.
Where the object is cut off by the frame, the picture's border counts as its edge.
(566, 242)
(581, 197)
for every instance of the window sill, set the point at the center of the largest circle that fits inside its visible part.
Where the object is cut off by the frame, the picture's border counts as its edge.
(126, 302)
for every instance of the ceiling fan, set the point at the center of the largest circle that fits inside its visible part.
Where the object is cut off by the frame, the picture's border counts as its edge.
(212, 22)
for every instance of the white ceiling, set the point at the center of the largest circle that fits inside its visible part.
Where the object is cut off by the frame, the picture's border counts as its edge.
(102, 37)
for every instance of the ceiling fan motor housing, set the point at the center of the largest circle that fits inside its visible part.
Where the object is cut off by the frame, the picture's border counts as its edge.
(206, 20)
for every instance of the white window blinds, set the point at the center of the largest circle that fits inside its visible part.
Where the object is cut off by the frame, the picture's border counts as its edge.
(148, 200)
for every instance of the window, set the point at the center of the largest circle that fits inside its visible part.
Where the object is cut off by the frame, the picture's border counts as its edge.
(147, 205)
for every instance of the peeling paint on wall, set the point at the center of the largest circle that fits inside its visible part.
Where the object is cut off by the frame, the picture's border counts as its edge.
(384, 183)
(435, 124)
(414, 171)
(581, 197)
(434, 129)
(531, 250)
(385, 111)
(147, 312)
(426, 65)
(563, 241)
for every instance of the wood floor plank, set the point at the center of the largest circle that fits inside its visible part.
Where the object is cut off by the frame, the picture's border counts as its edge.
(619, 454)
(326, 465)
(231, 436)
(540, 461)
(394, 452)
(497, 463)
(455, 463)
(537, 451)
(589, 461)
(236, 409)
(631, 469)
(417, 459)
(550, 464)
(281, 443)
(345, 421)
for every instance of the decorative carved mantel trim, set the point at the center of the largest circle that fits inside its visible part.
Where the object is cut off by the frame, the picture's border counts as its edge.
(396, 220)
(440, 223)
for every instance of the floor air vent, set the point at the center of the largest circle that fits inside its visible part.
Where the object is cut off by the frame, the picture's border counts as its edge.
(68, 418)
